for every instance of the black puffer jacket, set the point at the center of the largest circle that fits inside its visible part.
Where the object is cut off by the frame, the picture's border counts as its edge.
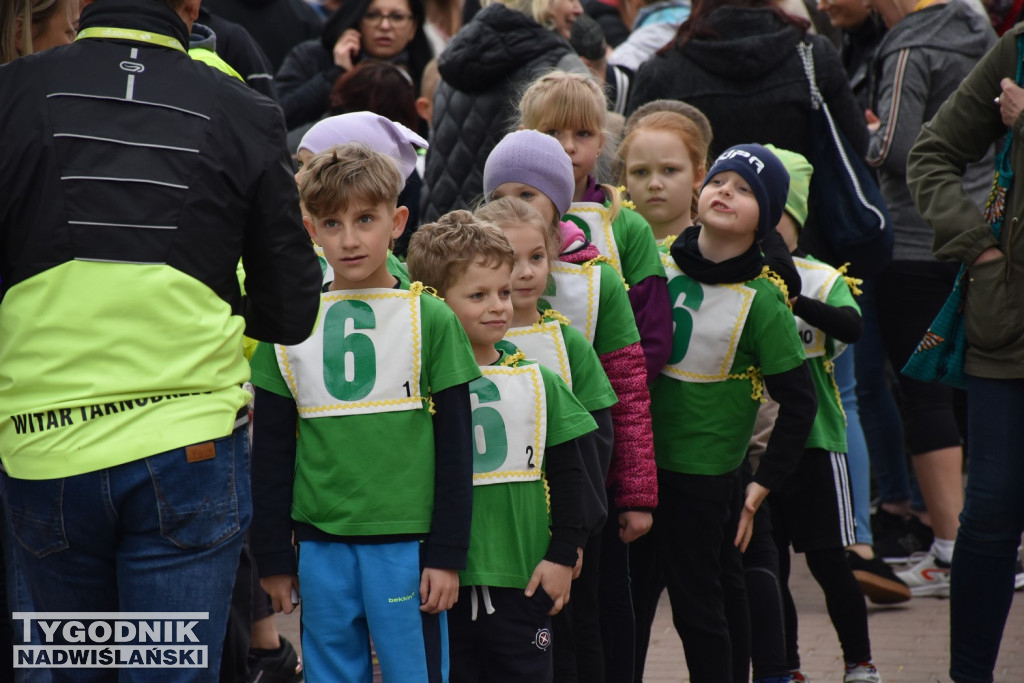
(750, 83)
(483, 71)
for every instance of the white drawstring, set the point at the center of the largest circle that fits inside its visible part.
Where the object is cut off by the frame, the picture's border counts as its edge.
(487, 600)
(474, 601)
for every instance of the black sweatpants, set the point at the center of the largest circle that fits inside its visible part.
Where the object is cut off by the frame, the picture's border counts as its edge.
(694, 527)
(510, 643)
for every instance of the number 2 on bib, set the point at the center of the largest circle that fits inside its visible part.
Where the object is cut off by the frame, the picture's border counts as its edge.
(350, 365)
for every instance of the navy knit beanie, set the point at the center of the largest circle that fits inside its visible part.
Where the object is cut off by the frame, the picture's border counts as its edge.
(766, 175)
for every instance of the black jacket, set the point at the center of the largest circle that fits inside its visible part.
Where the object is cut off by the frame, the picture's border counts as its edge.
(751, 85)
(130, 152)
(236, 47)
(277, 25)
(483, 71)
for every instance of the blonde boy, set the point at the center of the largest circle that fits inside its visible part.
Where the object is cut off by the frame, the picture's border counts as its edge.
(377, 486)
(525, 425)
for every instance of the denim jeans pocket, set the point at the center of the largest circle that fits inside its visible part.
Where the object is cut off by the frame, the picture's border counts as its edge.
(35, 510)
(198, 502)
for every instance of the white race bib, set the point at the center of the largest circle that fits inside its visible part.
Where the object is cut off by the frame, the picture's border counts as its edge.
(817, 280)
(364, 356)
(575, 291)
(599, 227)
(509, 424)
(543, 342)
(708, 321)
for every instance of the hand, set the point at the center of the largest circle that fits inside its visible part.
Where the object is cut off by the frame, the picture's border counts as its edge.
(755, 496)
(633, 524)
(990, 254)
(347, 48)
(439, 589)
(556, 579)
(579, 563)
(872, 120)
(279, 587)
(1011, 102)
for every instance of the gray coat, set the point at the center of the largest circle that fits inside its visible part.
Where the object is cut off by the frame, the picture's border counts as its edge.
(919, 63)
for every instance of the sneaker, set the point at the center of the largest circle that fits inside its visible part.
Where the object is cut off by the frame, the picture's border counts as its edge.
(861, 672)
(1018, 577)
(897, 537)
(877, 580)
(929, 577)
(798, 676)
(275, 666)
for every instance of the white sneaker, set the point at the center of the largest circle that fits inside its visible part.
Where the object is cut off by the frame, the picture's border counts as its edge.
(863, 672)
(929, 577)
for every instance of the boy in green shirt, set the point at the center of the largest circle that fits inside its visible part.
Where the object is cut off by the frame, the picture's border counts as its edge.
(377, 486)
(734, 335)
(528, 524)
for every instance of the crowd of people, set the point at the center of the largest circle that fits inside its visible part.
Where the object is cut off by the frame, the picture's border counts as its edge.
(564, 329)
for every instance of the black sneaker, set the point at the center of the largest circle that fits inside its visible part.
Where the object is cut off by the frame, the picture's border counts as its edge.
(275, 666)
(877, 580)
(897, 538)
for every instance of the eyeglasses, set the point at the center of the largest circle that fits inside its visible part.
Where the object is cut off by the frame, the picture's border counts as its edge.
(396, 19)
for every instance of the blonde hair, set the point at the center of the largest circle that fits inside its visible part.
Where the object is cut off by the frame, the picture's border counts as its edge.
(560, 99)
(31, 17)
(336, 177)
(688, 132)
(441, 252)
(540, 11)
(513, 210)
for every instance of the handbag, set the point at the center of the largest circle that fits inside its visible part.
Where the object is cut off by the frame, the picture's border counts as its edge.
(851, 212)
(940, 355)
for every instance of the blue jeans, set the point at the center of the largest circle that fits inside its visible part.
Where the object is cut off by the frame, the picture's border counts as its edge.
(991, 523)
(857, 457)
(880, 418)
(159, 534)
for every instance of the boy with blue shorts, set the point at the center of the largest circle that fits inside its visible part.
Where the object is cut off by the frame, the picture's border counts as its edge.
(528, 517)
(377, 485)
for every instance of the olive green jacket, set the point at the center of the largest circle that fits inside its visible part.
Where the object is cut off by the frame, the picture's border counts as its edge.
(962, 131)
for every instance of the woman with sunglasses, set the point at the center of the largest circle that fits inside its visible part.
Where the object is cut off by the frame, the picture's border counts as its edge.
(387, 30)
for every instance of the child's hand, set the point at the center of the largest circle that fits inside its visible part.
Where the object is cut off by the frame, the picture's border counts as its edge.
(755, 496)
(579, 563)
(347, 48)
(555, 579)
(280, 587)
(633, 524)
(439, 589)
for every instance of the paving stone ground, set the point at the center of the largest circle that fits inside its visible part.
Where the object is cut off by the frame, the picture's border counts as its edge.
(909, 641)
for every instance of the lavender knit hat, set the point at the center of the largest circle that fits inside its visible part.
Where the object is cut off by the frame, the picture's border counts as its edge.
(532, 158)
(376, 132)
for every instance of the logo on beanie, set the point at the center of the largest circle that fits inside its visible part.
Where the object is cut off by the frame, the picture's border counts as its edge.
(754, 161)
(543, 638)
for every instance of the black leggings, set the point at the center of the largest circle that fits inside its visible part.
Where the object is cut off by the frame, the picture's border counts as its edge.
(843, 599)
(910, 294)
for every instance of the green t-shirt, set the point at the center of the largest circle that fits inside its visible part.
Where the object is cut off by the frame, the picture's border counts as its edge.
(371, 472)
(607, 318)
(581, 367)
(727, 337)
(510, 532)
(627, 241)
(824, 283)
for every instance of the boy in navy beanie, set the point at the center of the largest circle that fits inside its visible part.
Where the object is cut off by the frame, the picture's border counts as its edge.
(734, 338)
